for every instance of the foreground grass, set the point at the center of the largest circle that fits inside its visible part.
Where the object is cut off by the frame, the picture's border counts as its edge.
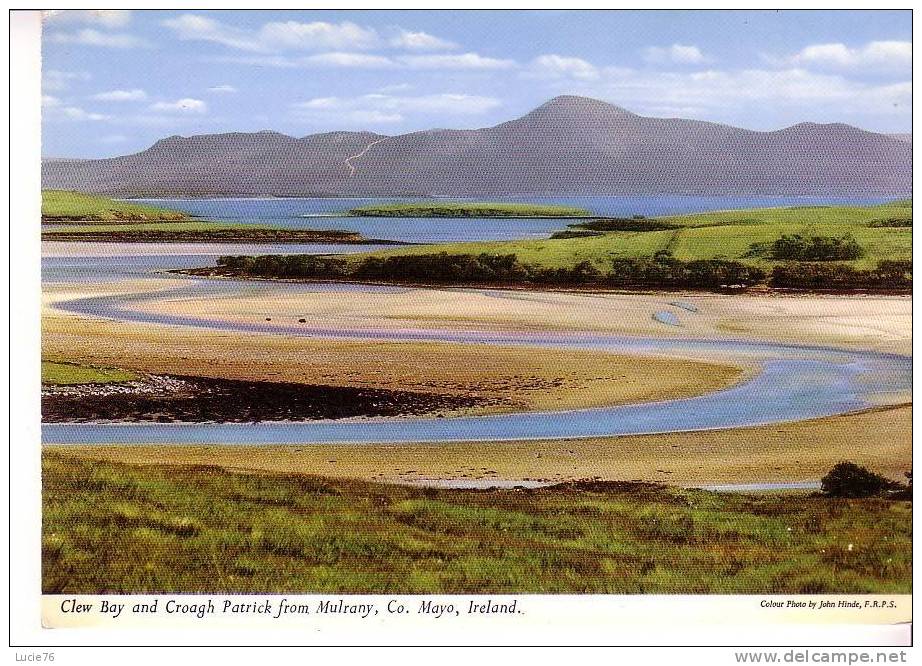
(715, 235)
(64, 205)
(118, 528)
(54, 372)
(467, 209)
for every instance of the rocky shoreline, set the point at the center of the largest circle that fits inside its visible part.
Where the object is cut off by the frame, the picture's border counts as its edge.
(171, 398)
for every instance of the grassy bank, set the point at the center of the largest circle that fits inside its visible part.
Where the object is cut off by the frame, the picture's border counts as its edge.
(467, 209)
(59, 205)
(838, 248)
(717, 235)
(119, 528)
(190, 232)
(58, 373)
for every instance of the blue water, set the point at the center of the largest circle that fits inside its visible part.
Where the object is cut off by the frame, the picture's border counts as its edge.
(289, 213)
(127, 260)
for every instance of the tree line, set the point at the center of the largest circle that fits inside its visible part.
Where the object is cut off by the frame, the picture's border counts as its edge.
(662, 270)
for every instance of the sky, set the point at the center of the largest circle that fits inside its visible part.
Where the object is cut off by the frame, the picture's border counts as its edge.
(114, 82)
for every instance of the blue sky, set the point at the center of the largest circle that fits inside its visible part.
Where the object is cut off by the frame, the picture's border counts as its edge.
(114, 82)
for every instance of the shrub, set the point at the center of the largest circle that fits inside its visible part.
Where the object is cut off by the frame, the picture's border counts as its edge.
(795, 247)
(287, 266)
(636, 223)
(583, 272)
(443, 267)
(664, 270)
(889, 274)
(574, 233)
(894, 222)
(847, 479)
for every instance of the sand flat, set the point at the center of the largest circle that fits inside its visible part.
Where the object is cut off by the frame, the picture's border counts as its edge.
(881, 323)
(794, 452)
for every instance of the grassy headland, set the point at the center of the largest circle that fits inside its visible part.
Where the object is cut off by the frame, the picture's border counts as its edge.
(64, 206)
(74, 216)
(60, 373)
(121, 528)
(836, 248)
(727, 235)
(467, 209)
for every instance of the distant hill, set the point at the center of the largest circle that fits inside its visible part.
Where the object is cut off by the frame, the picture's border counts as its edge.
(569, 145)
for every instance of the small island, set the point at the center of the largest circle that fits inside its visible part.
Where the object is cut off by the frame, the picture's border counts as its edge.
(468, 209)
(60, 206)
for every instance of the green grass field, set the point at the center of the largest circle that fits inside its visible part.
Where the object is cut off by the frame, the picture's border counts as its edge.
(724, 234)
(467, 209)
(111, 528)
(58, 373)
(63, 205)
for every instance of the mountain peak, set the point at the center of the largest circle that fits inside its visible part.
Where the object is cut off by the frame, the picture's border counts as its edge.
(579, 104)
(573, 111)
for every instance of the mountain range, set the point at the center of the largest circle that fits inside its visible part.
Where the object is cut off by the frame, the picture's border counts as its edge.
(569, 145)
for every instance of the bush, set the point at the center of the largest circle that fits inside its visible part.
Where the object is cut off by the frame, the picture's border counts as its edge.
(795, 247)
(443, 267)
(287, 266)
(892, 222)
(583, 272)
(574, 233)
(636, 223)
(664, 270)
(847, 479)
(889, 274)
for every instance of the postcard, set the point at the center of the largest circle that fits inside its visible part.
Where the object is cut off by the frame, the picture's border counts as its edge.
(476, 327)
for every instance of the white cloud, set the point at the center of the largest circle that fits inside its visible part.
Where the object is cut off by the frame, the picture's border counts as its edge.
(74, 113)
(133, 95)
(420, 41)
(556, 66)
(344, 59)
(107, 18)
(372, 61)
(718, 93)
(274, 36)
(49, 100)
(201, 28)
(223, 89)
(882, 55)
(371, 117)
(185, 105)
(91, 37)
(394, 87)
(678, 54)
(279, 61)
(363, 111)
(459, 61)
(443, 103)
(318, 35)
(54, 80)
